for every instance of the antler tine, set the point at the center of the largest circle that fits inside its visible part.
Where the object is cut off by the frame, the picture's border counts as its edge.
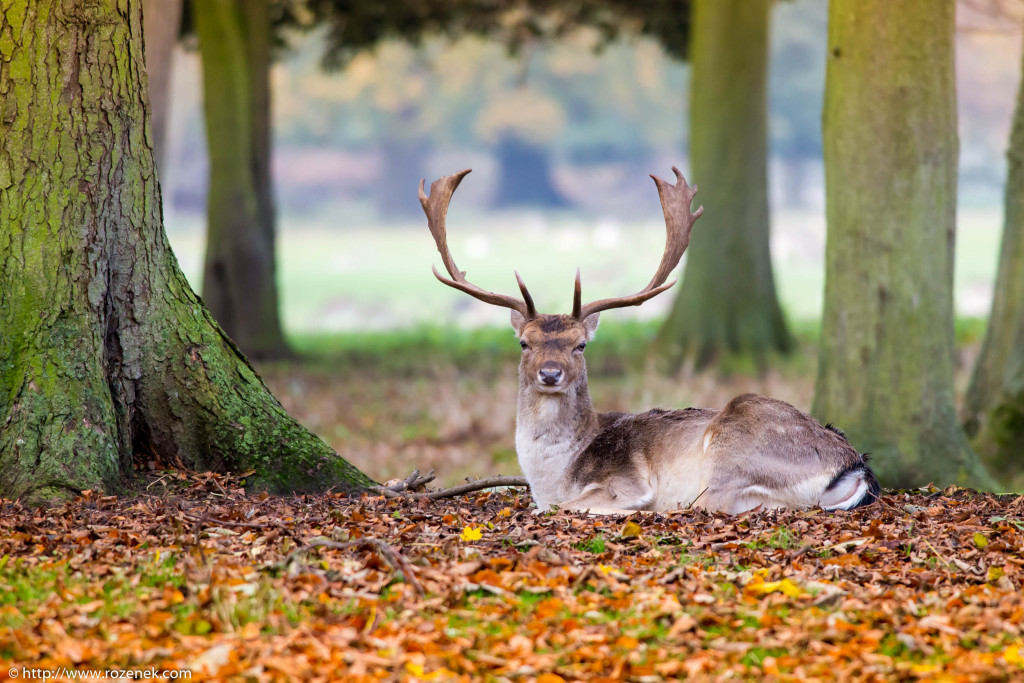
(679, 219)
(577, 297)
(531, 311)
(436, 208)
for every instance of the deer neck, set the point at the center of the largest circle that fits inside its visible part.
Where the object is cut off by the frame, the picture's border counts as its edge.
(551, 431)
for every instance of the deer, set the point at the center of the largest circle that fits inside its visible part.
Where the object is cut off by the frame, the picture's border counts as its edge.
(754, 453)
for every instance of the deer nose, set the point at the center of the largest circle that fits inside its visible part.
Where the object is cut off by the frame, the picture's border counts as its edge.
(550, 375)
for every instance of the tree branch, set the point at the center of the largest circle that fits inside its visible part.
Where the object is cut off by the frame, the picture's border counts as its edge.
(477, 485)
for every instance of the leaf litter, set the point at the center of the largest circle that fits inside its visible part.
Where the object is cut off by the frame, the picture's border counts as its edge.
(196, 573)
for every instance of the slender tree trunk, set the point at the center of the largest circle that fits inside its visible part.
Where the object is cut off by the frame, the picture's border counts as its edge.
(105, 351)
(161, 25)
(727, 303)
(404, 162)
(885, 372)
(239, 275)
(1000, 440)
(525, 176)
(994, 406)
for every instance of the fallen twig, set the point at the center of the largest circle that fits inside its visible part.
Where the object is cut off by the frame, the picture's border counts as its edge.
(477, 485)
(412, 483)
(468, 487)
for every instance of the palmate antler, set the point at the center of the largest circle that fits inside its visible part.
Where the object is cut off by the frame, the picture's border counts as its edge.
(679, 220)
(436, 208)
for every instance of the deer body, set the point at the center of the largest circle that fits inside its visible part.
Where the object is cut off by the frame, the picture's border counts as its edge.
(756, 451)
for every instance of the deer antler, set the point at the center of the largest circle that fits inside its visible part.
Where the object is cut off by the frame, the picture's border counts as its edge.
(679, 220)
(436, 208)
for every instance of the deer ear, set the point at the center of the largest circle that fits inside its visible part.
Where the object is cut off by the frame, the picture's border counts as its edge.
(590, 324)
(518, 320)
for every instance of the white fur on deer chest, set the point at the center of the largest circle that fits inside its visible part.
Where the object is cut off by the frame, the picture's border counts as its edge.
(546, 449)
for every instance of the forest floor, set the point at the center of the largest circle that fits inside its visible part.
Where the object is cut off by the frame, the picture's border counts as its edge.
(195, 574)
(192, 572)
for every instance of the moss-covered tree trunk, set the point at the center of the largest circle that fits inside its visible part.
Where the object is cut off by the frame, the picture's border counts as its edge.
(994, 406)
(105, 351)
(161, 25)
(727, 305)
(239, 275)
(885, 372)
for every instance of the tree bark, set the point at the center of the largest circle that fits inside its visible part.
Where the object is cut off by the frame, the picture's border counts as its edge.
(106, 353)
(994, 405)
(161, 25)
(885, 372)
(727, 305)
(240, 273)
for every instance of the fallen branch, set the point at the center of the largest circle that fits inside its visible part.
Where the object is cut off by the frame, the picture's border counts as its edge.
(389, 554)
(477, 485)
(413, 482)
(468, 487)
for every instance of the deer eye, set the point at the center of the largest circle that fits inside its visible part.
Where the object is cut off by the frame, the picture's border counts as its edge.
(582, 346)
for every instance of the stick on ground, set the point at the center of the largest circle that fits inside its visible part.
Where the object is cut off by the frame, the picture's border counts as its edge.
(399, 491)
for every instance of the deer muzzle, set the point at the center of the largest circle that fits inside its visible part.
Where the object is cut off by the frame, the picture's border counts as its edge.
(550, 375)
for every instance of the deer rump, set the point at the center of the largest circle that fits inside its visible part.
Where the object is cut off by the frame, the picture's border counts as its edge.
(755, 452)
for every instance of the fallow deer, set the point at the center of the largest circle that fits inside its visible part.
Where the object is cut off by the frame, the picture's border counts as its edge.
(756, 451)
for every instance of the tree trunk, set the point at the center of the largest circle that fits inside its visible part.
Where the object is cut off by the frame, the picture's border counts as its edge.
(404, 162)
(994, 406)
(161, 24)
(239, 275)
(525, 176)
(1007, 314)
(727, 304)
(885, 372)
(106, 352)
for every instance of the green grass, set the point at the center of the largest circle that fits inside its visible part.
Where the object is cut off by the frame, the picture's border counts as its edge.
(621, 349)
(29, 586)
(373, 276)
(781, 538)
(595, 545)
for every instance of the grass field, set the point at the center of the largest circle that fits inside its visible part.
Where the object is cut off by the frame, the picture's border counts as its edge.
(402, 372)
(370, 276)
(444, 398)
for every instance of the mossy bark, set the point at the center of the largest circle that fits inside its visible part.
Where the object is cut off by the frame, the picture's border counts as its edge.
(885, 371)
(994, 405)
(727, 304)
(105, 351)
(240, 272)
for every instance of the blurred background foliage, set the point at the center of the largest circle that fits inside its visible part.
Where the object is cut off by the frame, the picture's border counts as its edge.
(591, 113)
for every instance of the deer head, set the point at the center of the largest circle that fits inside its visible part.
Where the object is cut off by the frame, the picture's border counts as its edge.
(553, 344)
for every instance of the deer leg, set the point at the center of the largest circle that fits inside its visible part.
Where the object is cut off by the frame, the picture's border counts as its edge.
(604, 499)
